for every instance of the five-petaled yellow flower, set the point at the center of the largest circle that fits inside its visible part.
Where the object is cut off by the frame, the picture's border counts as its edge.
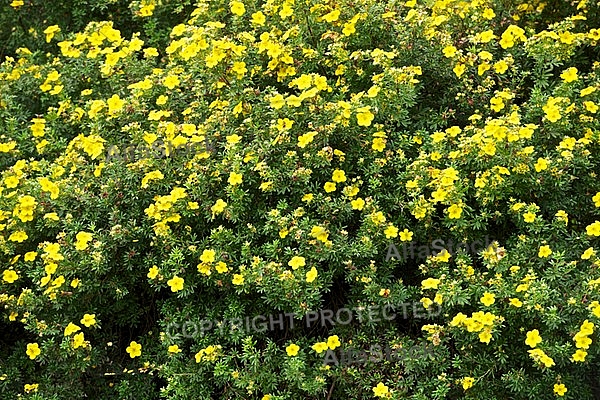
(292, 350)
(134, 349)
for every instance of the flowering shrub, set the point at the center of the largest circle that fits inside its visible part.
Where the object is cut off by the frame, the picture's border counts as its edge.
(280, 148)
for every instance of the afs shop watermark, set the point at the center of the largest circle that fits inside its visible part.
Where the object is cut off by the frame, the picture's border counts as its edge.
(411, 251)
(156, 149)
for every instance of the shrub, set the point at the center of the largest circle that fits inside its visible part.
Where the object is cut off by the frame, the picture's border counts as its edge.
(204, 205)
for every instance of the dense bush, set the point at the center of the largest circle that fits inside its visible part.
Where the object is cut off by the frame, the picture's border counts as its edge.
(181, 180)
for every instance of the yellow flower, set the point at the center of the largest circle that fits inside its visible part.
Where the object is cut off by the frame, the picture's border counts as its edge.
(591, 106)
(454, 211)
(332, 16)
(449, 51)
(33, 350)
(541, 164)
(378, 144)
(174, 349)
(304, 140)
(430, 283)
(218, 207)
(297, 262)
(358, 204)
(237, 279)
(593, 229)
(560, 389)
(292, 350)
(171, 81)
(277, 101)
(338, 176)
(30, 388)
(18, 236)
(329, 187)
(11, 182)
(391, 231)
(569, 75)
(78, 340)
(234, 178)
(176, 283)
(50, 32)
(406, 235)
(488, 299)
(515, 302)
(586, 91)
(320, 347)
(114, 104)
(488, 13)
(378, 218)
(153, 272)
(221, 267)
(161, 100)
(237, 7)
(208, 256)
(533, 338)
(311, 275)
(459, 69)
(258, 18)
(427, 302)
(588, 253)
(9, 276)
(333, 342)
(364, 116)
(485, 336)
(579, 355)
(71, 328)
(82, 240)
(134, 349)
(544, 251)
(381, 390)
(467, 382)
(88, 320)
(529, 217)
(501, 67)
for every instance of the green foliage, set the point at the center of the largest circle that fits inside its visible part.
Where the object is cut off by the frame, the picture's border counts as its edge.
(185, 186)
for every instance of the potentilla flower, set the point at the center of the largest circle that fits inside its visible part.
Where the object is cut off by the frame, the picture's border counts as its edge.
(544, 251)
(381, 390)
(292, 350)
(467, 382)
(320, 347)
(176, 283)
(9, 276)
(329, 187)
(560, 389)
(297, 262)
(237, 7)
(533, 338)
(174, 349)
(238, 279)
(82, 239)
(134, 349)
(569, 75)
(33, 350)
(50, 32)
(333, 342)
(488, 299)
(78, 340)
(234, 178)
(338, 176)
(71, 328)
(88, 320)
